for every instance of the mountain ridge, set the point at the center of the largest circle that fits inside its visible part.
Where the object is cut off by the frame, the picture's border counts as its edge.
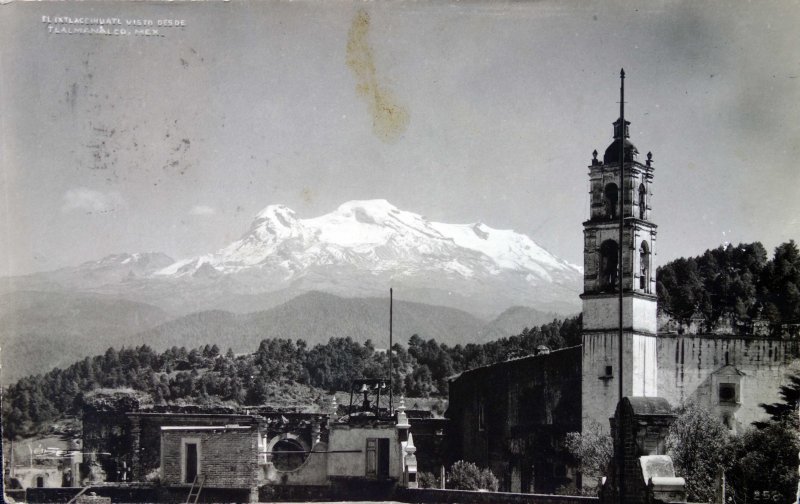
(359, 250)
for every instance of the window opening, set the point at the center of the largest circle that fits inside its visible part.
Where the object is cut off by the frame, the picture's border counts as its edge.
(642, 201)
(191, 462)
(611, 200)
(608, 265)
(644, 267)
(727, 393)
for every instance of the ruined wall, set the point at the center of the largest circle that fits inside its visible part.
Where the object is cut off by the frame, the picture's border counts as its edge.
(687, 367)
(52, 477)
(430, 438)
(228, 458)
(513, 416)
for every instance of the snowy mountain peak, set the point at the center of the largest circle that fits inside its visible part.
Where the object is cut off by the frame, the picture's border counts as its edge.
(376, 238)
(276, 215)
(373, 206)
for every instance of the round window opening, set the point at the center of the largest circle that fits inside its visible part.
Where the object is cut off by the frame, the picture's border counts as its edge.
(288, 455)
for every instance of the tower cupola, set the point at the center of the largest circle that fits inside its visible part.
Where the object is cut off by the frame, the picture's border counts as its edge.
(620, 138)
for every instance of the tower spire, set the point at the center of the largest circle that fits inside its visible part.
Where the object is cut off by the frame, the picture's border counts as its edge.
(622, 94)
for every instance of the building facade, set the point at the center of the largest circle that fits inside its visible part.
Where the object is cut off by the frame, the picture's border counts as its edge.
(513, 418)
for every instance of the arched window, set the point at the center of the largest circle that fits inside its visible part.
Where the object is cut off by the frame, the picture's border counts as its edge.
(642, 201)
(611, 200)
(644, 267)
(39, 481)
(609, 251)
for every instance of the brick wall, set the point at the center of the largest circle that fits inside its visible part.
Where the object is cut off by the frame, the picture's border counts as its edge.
(228, 458)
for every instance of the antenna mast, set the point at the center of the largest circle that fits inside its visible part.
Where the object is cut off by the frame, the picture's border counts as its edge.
(391, 393)
(621, 215)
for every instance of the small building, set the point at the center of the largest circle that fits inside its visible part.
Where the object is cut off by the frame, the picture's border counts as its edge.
(218, 456)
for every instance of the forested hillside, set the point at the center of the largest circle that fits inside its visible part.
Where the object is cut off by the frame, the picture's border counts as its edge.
(740, 281)
(206, 375)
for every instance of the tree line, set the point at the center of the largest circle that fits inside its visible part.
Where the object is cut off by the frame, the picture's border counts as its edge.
(736, 281)
(205, 375)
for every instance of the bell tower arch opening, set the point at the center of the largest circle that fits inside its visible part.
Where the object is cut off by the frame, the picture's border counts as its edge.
(609, 267)
(611, 200)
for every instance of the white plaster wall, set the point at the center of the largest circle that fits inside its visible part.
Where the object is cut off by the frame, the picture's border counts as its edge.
(599, 393)
(346, 437)
(645, 366)
(637, 314)
(313, 471)
(686, 364)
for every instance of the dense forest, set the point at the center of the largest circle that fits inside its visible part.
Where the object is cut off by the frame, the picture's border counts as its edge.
(207, 376)
(736, 281)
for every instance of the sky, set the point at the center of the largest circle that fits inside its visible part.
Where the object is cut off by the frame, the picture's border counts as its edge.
(459, 111)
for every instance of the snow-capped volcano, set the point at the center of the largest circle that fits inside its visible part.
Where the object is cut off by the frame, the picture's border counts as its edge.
(376, 236)
(366, 246)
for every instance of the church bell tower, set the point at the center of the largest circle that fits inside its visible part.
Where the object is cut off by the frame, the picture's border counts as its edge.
(604, 278)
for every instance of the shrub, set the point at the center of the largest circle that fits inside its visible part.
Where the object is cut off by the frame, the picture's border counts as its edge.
(489, 481)
(467, 476)
(427, 480)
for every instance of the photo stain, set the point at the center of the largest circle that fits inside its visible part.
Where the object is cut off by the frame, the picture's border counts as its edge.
(307, 195)
(389, 118)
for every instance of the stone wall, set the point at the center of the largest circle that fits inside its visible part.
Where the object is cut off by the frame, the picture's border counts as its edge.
(434, 496)
(512, 417)
(125, 493)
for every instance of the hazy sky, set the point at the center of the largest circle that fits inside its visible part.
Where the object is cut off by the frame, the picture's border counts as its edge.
(461, 112)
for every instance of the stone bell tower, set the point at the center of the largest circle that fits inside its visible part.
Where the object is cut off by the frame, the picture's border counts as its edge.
(603, 278)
